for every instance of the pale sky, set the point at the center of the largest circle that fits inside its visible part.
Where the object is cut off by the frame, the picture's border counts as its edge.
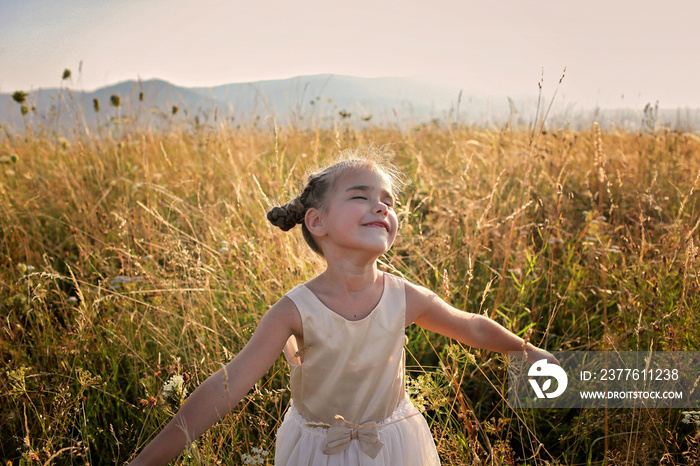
(642, 50)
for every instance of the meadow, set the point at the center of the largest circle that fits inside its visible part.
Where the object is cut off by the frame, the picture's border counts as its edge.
(136, 262)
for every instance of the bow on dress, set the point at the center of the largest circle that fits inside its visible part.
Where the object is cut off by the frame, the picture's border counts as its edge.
(338, 439)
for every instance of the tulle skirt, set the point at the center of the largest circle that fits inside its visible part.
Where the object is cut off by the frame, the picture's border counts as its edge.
(405, 434)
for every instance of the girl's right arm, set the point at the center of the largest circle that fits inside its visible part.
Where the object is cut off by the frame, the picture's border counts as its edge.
(217, 395)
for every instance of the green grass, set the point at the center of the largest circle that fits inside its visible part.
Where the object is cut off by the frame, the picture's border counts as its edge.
(132, 256)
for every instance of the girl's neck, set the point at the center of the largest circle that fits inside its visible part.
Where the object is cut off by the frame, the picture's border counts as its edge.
(349, 292)
(350, 277)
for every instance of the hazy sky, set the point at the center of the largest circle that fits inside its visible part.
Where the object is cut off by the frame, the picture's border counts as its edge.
(642, 50)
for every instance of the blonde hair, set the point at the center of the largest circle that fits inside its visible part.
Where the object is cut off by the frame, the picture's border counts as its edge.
(320, 185)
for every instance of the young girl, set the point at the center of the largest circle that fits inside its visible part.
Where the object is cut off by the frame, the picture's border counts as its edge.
(342, 334)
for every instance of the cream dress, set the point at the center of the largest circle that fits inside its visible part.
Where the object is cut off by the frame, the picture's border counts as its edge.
(349, 405)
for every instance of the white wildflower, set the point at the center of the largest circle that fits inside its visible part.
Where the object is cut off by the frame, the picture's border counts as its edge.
(174, 388)
(426, 391)
(261, 451)
(416, 391)
(258, 456)
(691, 417)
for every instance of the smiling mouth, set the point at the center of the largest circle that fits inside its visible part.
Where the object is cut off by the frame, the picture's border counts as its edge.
(377, 225)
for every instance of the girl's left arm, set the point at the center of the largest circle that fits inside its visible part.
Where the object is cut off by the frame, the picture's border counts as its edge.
(427, 310)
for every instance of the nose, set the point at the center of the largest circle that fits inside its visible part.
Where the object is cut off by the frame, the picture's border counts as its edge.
(382, 208)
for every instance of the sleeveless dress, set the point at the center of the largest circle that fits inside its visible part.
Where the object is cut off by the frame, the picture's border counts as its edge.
(349, 405)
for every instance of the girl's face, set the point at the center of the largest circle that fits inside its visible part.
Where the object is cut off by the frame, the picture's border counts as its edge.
(359, 214)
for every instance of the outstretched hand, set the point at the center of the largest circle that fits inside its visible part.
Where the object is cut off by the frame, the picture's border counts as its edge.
(535, 354)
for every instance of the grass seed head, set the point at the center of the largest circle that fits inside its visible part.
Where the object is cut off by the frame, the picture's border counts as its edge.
(19, 96)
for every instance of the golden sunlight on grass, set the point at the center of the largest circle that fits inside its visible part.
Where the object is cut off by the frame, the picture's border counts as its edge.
(134, 263)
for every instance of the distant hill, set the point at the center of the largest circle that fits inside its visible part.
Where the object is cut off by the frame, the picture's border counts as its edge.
(305, 100)
(148, 102)
(325, 95)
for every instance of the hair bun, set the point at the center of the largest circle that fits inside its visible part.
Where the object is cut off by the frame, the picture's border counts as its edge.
(287, 216)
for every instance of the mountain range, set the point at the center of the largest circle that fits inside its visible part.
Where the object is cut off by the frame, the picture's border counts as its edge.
(324, 100)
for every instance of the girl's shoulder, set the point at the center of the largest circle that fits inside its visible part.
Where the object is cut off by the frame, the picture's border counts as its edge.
(412, 290)
(419, 299)
(285, 312)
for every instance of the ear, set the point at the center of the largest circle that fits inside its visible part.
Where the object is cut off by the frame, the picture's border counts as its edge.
(314, 222)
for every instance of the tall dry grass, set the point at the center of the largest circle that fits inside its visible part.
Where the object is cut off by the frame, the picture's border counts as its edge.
(130, 257)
